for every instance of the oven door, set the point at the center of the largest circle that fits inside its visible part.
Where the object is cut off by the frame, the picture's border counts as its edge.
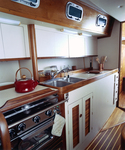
(35, 138)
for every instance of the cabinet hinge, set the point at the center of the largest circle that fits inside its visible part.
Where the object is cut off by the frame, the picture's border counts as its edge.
(92, 97)
(92, 113)
(68, 132)
(68, 111)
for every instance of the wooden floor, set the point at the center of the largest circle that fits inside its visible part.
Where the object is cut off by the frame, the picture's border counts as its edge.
(110, 136)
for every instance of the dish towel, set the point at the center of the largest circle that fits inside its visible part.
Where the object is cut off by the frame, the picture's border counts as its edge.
(58, 125)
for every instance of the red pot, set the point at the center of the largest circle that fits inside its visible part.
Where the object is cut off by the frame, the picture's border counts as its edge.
(25, 85)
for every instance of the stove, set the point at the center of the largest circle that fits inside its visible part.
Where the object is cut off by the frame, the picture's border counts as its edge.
(30, 124)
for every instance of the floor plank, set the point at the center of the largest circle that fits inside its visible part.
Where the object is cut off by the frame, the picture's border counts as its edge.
(109, 138)
(116, 118)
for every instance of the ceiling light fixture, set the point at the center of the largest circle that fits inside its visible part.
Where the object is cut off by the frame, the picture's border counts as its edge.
(120, 6)
(9, 21)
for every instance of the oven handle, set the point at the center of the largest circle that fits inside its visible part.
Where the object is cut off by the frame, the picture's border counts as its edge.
(34, 130)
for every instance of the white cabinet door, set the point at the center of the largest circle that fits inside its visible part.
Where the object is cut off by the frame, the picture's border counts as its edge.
(51, 43)
(75, 124)
(76, 46)
(61, 45)
(91, 45)
(45, 41)
(15, 41)
(1, 45)
(79, 121)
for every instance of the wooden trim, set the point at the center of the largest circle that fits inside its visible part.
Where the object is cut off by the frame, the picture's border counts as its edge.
(120, 63)
(32, 40)
(109, 31)
(53, 11)
(12, 59)
(75, 124)
(4, 133)
(66, 57)
(6, 87)
(74, 86)
(18, 101)
(87, 116)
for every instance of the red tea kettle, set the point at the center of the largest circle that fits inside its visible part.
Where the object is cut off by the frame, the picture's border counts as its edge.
(25, 85)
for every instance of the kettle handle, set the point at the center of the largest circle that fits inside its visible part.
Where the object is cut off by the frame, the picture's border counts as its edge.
(23, 68)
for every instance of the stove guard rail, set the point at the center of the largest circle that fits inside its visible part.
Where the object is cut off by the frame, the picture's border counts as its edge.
(4, 133)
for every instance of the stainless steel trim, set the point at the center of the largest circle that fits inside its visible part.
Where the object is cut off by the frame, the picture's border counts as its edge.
(16, 123)
(41, 127)
(30, 107)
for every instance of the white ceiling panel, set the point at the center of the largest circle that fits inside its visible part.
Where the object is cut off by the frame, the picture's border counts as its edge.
(115, 8)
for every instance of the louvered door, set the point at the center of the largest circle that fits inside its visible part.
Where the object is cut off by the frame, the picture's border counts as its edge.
(75, 124)
(87, 117)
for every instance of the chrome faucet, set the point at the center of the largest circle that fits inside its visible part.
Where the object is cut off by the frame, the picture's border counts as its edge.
(63, 70)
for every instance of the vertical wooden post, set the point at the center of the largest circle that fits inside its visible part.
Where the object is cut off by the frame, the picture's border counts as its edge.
(32, 38)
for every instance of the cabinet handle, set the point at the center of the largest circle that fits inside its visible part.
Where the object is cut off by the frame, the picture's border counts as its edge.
(80, 115)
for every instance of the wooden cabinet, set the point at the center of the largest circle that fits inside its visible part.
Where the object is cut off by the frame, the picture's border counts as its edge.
(80, 119)
(51, 43)
(76, 46)
(85, 109)
(14, 43)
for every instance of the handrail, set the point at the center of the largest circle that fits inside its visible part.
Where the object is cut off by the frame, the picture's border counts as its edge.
(4, 133)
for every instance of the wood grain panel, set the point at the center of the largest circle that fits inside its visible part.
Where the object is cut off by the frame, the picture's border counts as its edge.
(53, 11)
(4, 133)
(122, 67)
(87, 116)
(12, 103)
(75, 113)
(32, 40)
(109, 139)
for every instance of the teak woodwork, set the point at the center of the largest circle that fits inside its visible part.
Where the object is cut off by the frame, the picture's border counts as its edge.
(53, 11)
(32, 41)
(87, 116)
(75, 113)
(4, 133)
(16, 102)
(68, 88)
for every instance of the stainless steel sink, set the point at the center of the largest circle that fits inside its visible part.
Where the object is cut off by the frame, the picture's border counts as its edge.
(57, 83)
(73, 79)
(61, 82)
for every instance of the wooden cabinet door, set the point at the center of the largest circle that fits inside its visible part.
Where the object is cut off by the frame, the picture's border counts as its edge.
(75, 124)
(76, 46)
(14, 41)
(1, 45)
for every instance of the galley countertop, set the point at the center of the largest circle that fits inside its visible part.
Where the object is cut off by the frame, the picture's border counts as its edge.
(88, 78)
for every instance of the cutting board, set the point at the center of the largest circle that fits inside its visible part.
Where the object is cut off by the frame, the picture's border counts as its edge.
(95, 71)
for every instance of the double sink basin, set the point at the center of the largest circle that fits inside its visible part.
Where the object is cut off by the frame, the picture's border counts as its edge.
(61, 82)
